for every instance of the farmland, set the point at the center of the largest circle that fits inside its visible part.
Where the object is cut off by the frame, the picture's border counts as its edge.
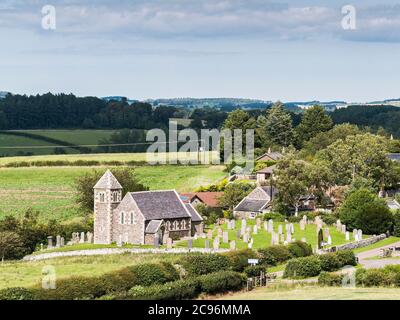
(50, 189)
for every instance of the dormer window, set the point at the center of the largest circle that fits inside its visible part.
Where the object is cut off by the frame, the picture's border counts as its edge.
(122, 218)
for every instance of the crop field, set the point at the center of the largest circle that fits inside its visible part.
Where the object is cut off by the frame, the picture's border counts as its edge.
(263, 239)
(51, 189)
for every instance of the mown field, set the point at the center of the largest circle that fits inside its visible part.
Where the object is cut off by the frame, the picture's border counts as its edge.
(25, 274)
(8, 143)
(51, 189)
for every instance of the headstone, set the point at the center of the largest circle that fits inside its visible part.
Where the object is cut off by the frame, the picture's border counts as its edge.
(355, 232)
(291, 226)
(359, 234)
(82, 240)
(289, 237)
(266, 225)
(347, 236)
(238, 233)
(258, 222)
(207, 244)
(302, 225)
(225, 237)
(49, 242)
(249, 245)
(305, 218)
(216, 243)
(232, 245)
(243, 227)
(273, 239)
(338, 226)
(329, 240)
(190, 244)
(280, 231)
(343, 228)
(326, 232)
(156, 242)
(281, 238)
(246, 237)
(356, 237)
(229, 225)
(169, 243)
(220, 232)
(287, 227)
(255, 229)
(209, 235)
(41, 247)
(89, 237)
(58, 241)
(304, 240)
(233, 224)
(270, 226)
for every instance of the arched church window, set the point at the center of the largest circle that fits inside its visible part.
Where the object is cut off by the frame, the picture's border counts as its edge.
(176, 225)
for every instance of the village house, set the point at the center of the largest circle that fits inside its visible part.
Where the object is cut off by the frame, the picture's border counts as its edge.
(265, 175)
(209, 199)
(270, 156)
(146, 217)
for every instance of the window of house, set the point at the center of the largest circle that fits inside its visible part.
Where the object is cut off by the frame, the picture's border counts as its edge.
(102, 197)
(132, 218)
(122, 221)
(115, 196)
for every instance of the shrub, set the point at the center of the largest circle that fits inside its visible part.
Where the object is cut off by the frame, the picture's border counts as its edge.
(199, 264)
(221, 282)
(375, 277)
(16, 294)
(274, 255)
(346, 258)
(274, 216)
(300, 249)
(294, 219)
(330, 279)
(303, 267)
(238, 258)
(396, 221)
(154, 273)
(329, 262)
(254, 271)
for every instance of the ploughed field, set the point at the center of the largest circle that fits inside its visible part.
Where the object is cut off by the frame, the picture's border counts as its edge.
(51, 189)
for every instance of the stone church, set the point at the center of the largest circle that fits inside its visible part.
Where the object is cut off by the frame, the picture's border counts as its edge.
(146, 217)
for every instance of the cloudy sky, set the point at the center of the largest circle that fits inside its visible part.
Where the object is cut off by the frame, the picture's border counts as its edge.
(289, 50)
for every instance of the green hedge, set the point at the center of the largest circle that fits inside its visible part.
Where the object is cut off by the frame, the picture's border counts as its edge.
(385, 277)
(254, 271)
(199, 264)
(213, 283)
(16, 294)
(274, 255)
(312, 266)
(238, 259)
(300, 249)
(330, 279)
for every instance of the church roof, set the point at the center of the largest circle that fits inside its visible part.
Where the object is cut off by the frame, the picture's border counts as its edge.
(108, 181)
(196, 217)
(153, 226)
(157, 205)
(252, 205)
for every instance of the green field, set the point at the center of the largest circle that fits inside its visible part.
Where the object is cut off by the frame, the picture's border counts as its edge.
(50, 189)
(313, 292)
(25, 274)
(263, 239)
(8, 143)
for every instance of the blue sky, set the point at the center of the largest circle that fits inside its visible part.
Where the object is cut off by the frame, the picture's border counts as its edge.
(287, 50)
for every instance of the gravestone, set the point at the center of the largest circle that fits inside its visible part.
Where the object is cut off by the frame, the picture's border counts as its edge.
(302, 225)
(238, 234)
(209, 235)
(233, 224)
(305, 219)
(49, 242)
(286, 227)
(169, 243)
(266, 226)
(280, 231)
(82, 240)
(338, 226)
(258, 222)
(289, 237)
(304, 240)
(220, 232)
(246, 237)
(355, 232)
(291, 226)
(229, 225)
(58, 241)
(270, 226)
(356, 237)
(255, 230)
(232, 245)
(343, 228)
(359, 234)
(249, 245)
(89, 237)
(282, 238)
(216, 243)
(225, 237)
(329, 240)
(156, 242)
(190, 244)
(347, 236)
(41, 247)
(326, 232)
(243, 227)
(207, 244)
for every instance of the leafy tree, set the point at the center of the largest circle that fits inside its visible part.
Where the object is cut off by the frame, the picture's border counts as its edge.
(314, 121)
(85, 183)
(233, 194)
(364, 210)
(279, 125)
(11, 245)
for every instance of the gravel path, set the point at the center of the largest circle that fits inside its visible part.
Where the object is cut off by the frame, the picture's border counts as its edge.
(380, 263)
(95, 252)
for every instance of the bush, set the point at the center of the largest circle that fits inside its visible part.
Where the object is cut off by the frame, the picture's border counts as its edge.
(16, 294)
(396, 221)
(254, 271)
(330, 279)
(303, 267)
(274, 255)
(375, 277)
(238, 258)
(154, 273)
(346, 258)
(294, 219)
(277, 217)
(199, 264)
(221, 282)
(300, 249)
(329, 262)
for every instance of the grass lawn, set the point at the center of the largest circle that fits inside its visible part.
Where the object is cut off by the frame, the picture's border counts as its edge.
(378, 244)
(50, 189)
(25, 274)
(263, 238)
(312, 292)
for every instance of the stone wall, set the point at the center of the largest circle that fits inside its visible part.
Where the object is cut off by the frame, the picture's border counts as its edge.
(357, 244)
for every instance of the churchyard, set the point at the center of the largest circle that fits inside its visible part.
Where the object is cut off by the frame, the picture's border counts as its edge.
(256, 233)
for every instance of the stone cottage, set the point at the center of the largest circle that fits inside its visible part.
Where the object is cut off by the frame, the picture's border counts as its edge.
(145, 217)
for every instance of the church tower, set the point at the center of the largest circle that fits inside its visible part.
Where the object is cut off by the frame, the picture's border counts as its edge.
(107, 196)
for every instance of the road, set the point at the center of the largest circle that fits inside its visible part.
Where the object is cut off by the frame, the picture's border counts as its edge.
(377, 263)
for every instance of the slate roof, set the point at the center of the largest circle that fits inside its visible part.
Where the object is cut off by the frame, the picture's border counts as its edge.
(156, 205)
(267, 169)
(271, 191)
(394, 156)
(196, 217)
(393, 204)
(153, 226)
(108, 181)
(251, 205)
(275, 156)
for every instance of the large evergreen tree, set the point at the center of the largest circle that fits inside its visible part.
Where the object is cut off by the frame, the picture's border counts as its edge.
(279, 125)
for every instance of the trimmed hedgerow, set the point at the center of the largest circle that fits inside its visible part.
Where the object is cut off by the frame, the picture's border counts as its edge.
(254, 271)
(16, 294)
(238, 259)
(300, 249)
(221, 282)
(154, 273)
(346, 258)
(385, 277)
(274, 255)
(329, 262)
(199, 264)
(330, 279)
(303, 267)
